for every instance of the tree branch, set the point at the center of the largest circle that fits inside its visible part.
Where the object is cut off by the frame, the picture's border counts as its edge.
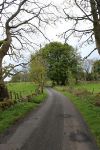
(89, 54)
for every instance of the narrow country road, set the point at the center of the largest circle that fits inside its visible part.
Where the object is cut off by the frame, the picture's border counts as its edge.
(55, 125)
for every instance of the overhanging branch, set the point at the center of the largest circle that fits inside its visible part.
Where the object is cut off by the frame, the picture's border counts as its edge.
(89, 53)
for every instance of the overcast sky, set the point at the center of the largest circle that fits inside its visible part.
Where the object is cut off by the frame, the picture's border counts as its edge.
(62, 26)
(52, 33)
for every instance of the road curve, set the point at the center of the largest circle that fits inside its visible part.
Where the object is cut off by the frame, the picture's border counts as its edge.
(55, 125)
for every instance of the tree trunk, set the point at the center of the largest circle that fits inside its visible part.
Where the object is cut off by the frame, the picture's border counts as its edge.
(96, 23)
(3, 90)
(4, 48)
(98, 6)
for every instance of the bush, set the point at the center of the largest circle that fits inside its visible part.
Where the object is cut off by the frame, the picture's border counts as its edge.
(6, 104)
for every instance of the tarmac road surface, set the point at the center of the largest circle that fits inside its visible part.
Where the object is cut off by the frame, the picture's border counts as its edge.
(55, 125)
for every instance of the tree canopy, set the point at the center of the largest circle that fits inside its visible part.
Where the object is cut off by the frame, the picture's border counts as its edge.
(37, 70)
(60, 59)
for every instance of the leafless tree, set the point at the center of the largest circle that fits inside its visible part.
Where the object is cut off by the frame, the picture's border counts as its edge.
(87, 66)
(20, 20)
(86, 18)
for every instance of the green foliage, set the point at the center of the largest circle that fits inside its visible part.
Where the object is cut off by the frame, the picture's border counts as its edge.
(38, 99)
(37, 70)
(71, 79)
(60, 58)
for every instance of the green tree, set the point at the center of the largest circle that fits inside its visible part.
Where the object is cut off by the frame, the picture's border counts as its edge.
(37, 70)
(60, 58)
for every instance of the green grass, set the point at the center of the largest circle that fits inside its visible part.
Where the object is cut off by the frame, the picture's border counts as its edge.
(40, 98)
(92, 87)
(9, 116)
(19, 110)
(25, 88)
(90, 112)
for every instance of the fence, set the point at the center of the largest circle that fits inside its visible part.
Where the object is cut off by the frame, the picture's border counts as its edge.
(17, 95)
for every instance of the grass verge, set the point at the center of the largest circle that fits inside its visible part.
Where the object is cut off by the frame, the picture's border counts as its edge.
(19, 110)
(90, 112)
(92, 87)
(23, 88)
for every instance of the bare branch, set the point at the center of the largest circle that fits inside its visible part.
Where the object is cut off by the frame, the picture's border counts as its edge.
(83, 11)
(89, 54)
(89, 15)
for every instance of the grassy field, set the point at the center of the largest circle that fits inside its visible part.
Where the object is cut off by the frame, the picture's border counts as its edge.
(84, 101)
(12, 114)
(25, 88)
(92, 87)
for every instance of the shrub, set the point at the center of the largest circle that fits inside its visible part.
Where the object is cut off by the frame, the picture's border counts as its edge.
(6, 104)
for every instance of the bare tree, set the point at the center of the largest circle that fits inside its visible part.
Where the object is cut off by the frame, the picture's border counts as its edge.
(87, 67)
(20, 20)
(86, 21)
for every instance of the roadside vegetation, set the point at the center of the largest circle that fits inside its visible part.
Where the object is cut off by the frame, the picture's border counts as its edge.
(14, 109)
(86, 97)
(93, 87)
(22, 88)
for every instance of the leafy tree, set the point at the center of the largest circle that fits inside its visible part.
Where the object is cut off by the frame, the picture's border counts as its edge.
(60, 58)
(37, 70)
(20, 20)
(89, 13)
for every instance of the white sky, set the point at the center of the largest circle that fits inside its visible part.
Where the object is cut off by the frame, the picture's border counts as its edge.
(52, 33)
